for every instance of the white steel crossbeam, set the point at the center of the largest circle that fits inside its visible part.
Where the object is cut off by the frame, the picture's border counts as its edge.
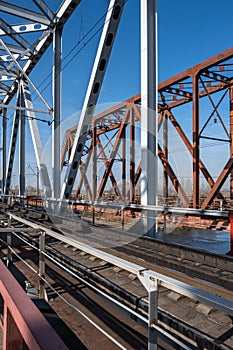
(103, 53)
(25, 28)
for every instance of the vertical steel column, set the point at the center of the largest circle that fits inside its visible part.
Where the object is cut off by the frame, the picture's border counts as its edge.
(56, 147)
(41, 265)
(151, 286)
(123, 150)
(94, 170)
(4, 137)
(94, 163)
(149, 88)
(101, 60)
(132, 158)
(231, 138)
(196, 143)
(230, 216)
(22, 151)
(165, 151)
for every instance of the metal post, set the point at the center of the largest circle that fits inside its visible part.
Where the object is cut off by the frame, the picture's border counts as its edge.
(132, 158)
(56, 166)
(41, 265)
(149, 90)
(165, 151)
(22, 152)
(231, 138)
(164, 225)
(151, 286)
(4, 136)
(37, 181)
(196, 144)
(94, 163)
(93, 214)
(122, 219)
(9, 243)
(123, 143)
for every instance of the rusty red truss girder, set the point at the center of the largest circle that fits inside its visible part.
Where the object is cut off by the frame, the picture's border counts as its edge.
(204, 82)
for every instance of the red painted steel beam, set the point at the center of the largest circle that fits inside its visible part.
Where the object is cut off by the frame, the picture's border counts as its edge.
(113, 154)
(230, 215)
(111, 175)
(231, 139)
(173, 178)
(218, 184)
(189, 147)
(211, 62)
(32, 326)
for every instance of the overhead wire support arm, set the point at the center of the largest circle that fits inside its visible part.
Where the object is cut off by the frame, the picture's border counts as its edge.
(99, 68)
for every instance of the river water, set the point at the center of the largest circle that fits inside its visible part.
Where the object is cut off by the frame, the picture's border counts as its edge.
(211, 241)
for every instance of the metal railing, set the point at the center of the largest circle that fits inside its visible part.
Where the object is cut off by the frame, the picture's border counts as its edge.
(150, 279)
(20, 319)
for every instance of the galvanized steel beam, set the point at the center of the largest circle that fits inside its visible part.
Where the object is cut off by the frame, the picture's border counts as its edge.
(149, 88)
(103, 53)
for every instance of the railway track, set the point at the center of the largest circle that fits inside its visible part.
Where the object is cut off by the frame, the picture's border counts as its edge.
(193, 323)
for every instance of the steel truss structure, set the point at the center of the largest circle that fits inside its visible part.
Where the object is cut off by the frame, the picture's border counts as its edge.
(210, 80)
(110, 139)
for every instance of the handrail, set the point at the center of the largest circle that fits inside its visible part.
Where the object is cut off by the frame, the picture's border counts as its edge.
(22, 318)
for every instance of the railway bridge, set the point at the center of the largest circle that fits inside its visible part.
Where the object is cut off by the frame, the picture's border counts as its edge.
(113, 247)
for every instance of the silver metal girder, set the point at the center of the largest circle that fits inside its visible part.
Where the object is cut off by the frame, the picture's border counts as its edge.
(41, 164)
(25, 28)
(103, 53)
(44, 8)
(25, 75)
(13, 141)
(60, 18)
(22, 150)
(56, 143)
(149, 111)
(23, 13)
(7, 58)
(9, 31)
(6, 78)
(65, 11)
(4, 139)
(14, 49)
(24, 108)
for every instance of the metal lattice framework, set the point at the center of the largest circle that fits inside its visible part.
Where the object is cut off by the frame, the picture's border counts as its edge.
(209, 81)
(17, 59)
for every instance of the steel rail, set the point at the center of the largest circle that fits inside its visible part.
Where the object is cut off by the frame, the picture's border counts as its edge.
(213, 297)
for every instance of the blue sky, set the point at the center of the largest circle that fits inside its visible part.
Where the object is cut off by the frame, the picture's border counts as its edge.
(189, 32)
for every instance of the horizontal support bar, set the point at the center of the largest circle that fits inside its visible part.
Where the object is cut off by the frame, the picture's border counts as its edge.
(214, 139)
(19, 229)
(215, 301)
(3, 105)
(159, 209)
